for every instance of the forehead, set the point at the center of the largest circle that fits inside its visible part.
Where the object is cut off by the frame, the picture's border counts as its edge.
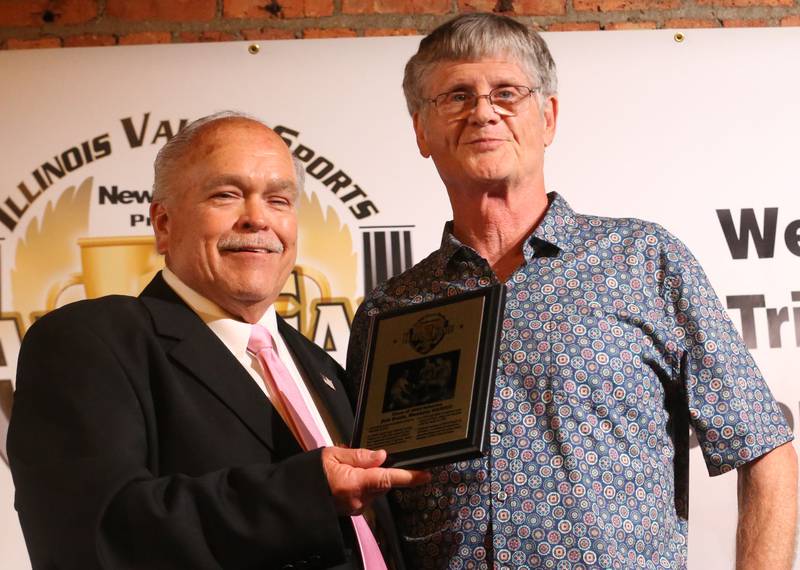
(240, 137)
(238, 152)
(489, 70)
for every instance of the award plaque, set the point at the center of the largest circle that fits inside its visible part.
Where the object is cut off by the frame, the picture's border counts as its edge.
(428, 379)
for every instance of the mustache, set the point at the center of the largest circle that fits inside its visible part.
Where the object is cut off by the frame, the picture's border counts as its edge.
(234, 242)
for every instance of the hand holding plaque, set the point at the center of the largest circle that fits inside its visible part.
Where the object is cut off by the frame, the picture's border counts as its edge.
(429, 379)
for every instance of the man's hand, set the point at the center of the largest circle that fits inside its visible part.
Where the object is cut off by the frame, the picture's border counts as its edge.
(767, 511)
(356, 478)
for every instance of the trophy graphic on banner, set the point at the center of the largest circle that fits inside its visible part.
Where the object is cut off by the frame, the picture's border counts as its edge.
(117, 265)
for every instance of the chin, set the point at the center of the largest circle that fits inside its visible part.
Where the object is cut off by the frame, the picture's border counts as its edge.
(492, 177)
(252, 290)
(489, 171)
(256, 294)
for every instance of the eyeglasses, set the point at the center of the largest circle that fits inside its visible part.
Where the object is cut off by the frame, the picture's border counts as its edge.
(507, 100)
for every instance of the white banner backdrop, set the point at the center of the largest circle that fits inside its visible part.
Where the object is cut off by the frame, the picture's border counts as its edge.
(699, 135)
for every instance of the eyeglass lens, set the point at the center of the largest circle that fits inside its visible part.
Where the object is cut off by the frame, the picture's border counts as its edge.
(507, 98)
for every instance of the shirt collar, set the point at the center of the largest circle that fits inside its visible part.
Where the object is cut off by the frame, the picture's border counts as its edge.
(555, 230)
(233, 332)
(558, 225)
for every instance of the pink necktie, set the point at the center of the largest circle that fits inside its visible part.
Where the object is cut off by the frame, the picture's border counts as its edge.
(263, 346)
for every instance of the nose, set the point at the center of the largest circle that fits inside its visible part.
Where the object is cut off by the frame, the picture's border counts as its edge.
(484, 112)
(253, 217)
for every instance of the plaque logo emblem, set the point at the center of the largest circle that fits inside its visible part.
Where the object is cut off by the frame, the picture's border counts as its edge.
(428, 332)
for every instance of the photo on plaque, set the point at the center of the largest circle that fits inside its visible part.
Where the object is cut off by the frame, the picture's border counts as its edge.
(421, 381)
(429, 379)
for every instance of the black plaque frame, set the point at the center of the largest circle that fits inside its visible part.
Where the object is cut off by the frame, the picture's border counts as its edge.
(480, 346)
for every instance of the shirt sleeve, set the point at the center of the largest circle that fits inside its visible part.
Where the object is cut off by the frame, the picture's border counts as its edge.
(734, 414)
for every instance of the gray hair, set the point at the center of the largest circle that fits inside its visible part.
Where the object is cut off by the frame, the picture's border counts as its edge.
(168, 158)
(475, 36)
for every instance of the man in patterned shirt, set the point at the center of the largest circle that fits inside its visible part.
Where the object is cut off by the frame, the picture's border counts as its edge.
(613, 342)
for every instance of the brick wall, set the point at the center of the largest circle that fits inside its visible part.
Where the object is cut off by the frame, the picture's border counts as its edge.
(57, 23)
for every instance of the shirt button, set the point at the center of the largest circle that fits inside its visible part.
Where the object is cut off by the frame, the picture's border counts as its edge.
(501, 428)
(502, 495)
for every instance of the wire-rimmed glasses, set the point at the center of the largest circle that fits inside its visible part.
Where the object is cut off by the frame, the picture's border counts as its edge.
(507, 100)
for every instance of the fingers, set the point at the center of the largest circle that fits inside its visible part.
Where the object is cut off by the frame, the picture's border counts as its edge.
(379, 480)
(382, 480)
(355, 478)
(362, 458)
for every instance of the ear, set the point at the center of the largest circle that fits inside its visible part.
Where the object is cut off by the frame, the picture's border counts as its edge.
(159, 219)
(550, 114)
(419, 129)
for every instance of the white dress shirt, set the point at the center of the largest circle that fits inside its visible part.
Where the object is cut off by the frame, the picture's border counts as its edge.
(235, 335)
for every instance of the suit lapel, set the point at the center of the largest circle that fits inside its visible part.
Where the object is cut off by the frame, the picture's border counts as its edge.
(197, 349)
(323, 376)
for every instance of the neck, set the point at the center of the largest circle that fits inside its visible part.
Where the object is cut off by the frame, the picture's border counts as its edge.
(495, 223)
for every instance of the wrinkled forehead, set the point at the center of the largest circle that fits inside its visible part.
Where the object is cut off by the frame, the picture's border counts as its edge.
(445, 69)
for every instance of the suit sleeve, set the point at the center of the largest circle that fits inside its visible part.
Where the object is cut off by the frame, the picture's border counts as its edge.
(78, 444)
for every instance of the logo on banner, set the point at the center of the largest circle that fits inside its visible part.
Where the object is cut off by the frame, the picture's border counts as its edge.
(49, 259)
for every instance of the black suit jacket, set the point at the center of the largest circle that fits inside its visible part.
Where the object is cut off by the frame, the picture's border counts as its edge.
(137, 441)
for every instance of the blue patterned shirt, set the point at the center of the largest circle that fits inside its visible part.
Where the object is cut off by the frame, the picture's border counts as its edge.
(612, 343)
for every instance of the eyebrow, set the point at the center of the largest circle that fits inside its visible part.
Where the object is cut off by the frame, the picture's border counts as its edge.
(278, 185)
(462, 86)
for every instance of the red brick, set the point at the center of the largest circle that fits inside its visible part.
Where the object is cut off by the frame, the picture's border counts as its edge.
(742, 23)
(631, 26)
(277, 8)
(689, 23)
(357, 6)
(36, 43)
(141, 38)
(310, 33)
(248, 9)
(395, 6)
(40, 12)
(317, 8)
(790, 21)
(207, 36)
(84, 40)
(746, 3)
(573, 26)
(477, 6)
(73, 11)
(377, 32)
(21, 12)
(162, 10)
(540, 7)
(615, 5)
(269, 34)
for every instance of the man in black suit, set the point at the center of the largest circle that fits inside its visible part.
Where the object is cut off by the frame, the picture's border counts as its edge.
(144, 434)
